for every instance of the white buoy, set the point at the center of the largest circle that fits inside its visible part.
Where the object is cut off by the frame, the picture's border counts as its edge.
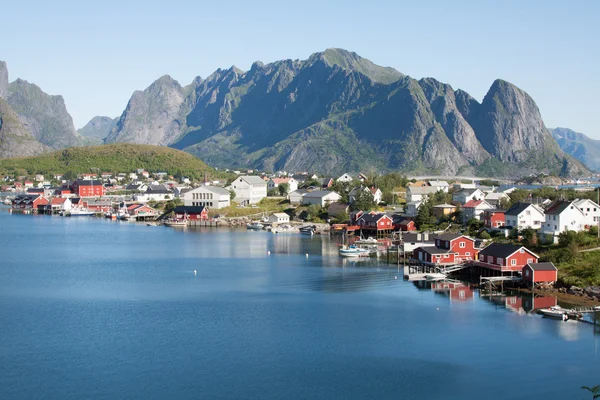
(268, 252)
(395, 277)
(195, 272)
(438, 309)
(306, 255)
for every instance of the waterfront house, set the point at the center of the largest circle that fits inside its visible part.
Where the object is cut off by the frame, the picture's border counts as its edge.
(28, 202)
(320, 197)
(420, 193)
(525, 216)
(140, 210)
(336, 209)
(494, 218)
(274, 183)
(58, 204)
(375, 224)
(443, 210)
(407, 225)
(99, 205)
(562, 216)
(345, 178)
(296, 196)
(449, 249)
(88, 188)
(544, 272)
(465, 195)
(195, 213)
(249, 189)
(474, 209)
(505, 257)
(211, 196)
(410, 241)
(279, 218)
(590, 210)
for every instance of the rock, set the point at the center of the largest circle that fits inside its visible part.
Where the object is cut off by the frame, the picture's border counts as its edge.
(592, 291)
(15, 140)
(3, 80)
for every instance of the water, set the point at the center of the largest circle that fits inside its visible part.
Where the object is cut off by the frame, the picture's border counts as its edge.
(95, 309)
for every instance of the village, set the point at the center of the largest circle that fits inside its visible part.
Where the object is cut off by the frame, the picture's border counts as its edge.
(437, 228)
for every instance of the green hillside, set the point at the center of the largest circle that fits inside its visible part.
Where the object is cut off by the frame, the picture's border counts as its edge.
(119, 157)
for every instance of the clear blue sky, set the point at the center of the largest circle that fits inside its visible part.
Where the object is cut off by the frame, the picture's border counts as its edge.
(97, 55)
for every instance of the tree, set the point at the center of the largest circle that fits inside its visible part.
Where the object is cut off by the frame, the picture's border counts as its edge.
(272, 192)
(70, 175)
(504, 203)
(364, 201)
(484, 235)
(594, 390)
(231, 195)
(425, 215)
(284, 188)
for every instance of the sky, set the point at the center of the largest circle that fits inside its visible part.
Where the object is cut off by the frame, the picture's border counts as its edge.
(96, 54)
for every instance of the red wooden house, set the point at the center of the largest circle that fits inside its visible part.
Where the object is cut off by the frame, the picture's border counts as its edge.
(140, 209)
(494, 218)
(376, 224)
(449, 249)
(545, 272)
(191, 212)
(505, 257)
(28, 202)
(407, 226)
(88, 188)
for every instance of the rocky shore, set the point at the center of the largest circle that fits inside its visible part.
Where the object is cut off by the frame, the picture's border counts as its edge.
(589, 296)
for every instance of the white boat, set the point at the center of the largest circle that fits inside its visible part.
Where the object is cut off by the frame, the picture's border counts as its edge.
(435, 276)
(307, 230)
(151, 224)
(77, 212)
(369, 240)
(176, 223)
(555, 312)
(353, 251)
(255, 226)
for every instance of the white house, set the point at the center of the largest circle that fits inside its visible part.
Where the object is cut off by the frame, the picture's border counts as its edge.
(209, 196)
(474, 209)
(524, 216)
(296, 196)
(441, 185)
(562, 216)
(344, 178)
(494, 198)
(590, 210)
(155, 193)
(275, 182)
(320, 197)
(279, 218)
(412, 208)
(420, 193)
(374, 192)
(410, 241)
(249, 189)
(465, 195)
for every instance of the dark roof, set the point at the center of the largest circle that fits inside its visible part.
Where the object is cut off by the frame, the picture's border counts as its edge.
(557, 207)
(158, 189)
(495, 210)
(517, 208)
(545, 266)
(501, 250)
(372, 217)
(132, 186)
(418, 237)
(434, 250)
(449, 236)
(88, 182)
(189, 209)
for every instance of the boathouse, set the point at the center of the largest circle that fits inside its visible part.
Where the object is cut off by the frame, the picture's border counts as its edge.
(449, 249)
(195, 213)
(505, 257)
(28, 202)
(376, 224)
(544, 272)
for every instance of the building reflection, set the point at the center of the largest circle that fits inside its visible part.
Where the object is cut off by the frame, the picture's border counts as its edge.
(456, 291)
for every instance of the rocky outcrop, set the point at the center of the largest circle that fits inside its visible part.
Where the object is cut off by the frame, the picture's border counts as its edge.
(3, 80)
(578, 145)
(338, 112)
(98, 127)
(15, 140)
(43, 115)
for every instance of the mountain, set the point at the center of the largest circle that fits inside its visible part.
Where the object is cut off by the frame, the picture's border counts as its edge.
(3, 80)
(15, 140)
(583, 148)
(98, 127)
(337, 112)
(45, 116)
(120, 157)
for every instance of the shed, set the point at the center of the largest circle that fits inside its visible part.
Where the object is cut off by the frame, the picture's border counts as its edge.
(279, 218)
(544, 272)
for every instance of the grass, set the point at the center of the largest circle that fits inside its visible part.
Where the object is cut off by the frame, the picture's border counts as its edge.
(266, 205)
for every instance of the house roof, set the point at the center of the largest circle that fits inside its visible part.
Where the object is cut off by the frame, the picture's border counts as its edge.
(281, 215)
(439, 183)
(300, 192)
(434, 250)
(373, 217)
(517, 208)
(337, 208)
(558, 207)
(580, 202)
(419, 237)
(88, 182)
(453, 236)
(189, 209)
(58, 200)
(473, 203)
(319, 193)
(496, 196)
(279, 181)
(503, 250)
(423, 189)
(132, 186)
(468, 192)
(405, 222)
(253, 180)
(545, 266)
(444, 206)
(158, 189)
(495, 211)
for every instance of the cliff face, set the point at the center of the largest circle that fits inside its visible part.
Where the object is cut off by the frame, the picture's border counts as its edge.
(578, 145)
(3, 80)
(98, 127)
(15, 140)
(336, 111)
(45, 116)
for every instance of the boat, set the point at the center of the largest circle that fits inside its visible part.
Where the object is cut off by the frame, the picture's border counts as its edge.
(353, 251)
(151, 224)
(77, 212)
(435, 276)
(284, 229)
(176, 222)
(369, 240)
(555, 312)
(307, 230)
(255, 226)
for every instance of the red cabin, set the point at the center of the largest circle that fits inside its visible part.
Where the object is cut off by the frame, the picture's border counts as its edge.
(87, 188)
(407, 226)
(506, 257)
(494, 218)
(376, 223)
(545, 272)
(196, 213)
(449, 249)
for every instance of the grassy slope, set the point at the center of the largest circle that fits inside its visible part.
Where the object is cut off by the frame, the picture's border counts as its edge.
(119, 157)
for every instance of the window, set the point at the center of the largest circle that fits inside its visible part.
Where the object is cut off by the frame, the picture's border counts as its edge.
(513, 262)
(521, 251)
(527, 272)
(467, 253)
(530, 261)
(462, 245)
(554, 218)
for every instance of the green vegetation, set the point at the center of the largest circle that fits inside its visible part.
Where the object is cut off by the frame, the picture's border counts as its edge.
(266, 205)
(120, 157)
(595, 391)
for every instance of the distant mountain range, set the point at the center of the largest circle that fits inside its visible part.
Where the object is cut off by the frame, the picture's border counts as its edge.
(331, 113)
(578, 145)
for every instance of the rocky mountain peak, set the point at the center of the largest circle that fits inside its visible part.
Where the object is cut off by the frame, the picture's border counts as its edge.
(3, 80)
(99, 127)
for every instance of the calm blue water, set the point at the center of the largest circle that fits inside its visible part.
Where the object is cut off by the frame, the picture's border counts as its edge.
(95, 309)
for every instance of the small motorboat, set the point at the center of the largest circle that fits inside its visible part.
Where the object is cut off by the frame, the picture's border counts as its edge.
(307, 230)
(255, 226)
(435, 276)
(151, 224)
(176, 223)
(555, 312)
(77, 212)
(353, 251)
(369, 240)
